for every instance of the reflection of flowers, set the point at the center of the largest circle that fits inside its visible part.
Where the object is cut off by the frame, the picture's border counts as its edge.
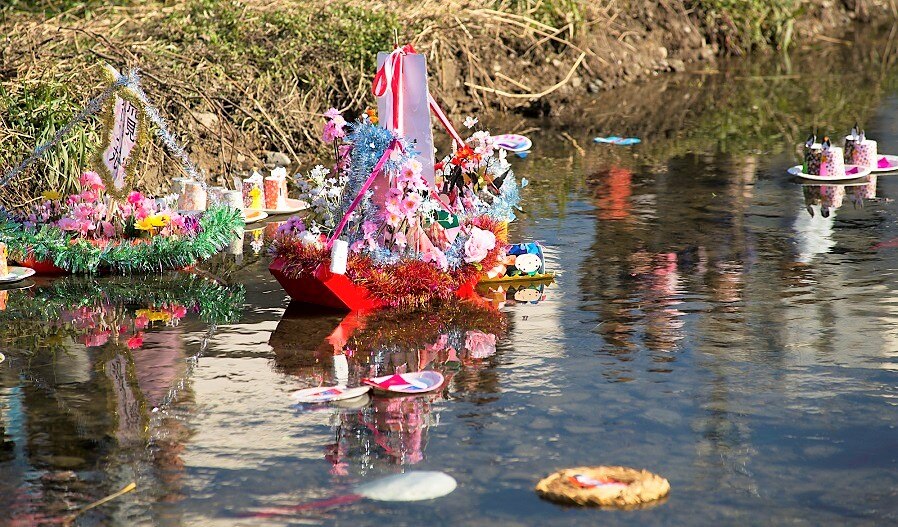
(136, 341)
(481, 345)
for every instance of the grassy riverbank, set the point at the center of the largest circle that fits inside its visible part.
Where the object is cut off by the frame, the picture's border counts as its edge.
(240, 79)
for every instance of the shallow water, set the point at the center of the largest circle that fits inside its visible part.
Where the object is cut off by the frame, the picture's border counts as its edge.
(704, 325)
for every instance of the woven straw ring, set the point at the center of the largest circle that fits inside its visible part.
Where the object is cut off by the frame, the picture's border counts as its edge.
(612, 487)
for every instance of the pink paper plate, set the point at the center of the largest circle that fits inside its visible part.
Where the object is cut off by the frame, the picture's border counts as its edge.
(416, 382)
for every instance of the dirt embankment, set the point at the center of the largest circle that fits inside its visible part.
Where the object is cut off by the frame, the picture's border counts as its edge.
(245, 83)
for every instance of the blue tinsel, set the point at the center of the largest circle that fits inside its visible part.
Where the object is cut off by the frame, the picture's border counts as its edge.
(369, 142)
(506, 202)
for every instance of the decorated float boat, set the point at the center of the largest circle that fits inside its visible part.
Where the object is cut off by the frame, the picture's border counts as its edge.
(389, 226)
(107, 226)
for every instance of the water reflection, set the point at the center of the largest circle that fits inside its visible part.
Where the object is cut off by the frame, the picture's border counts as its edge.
(458, 339)
(96, 373)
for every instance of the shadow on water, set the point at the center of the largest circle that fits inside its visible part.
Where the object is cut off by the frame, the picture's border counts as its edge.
(713, 320)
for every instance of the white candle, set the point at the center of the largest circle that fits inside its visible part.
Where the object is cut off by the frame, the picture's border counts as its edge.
(339, 256)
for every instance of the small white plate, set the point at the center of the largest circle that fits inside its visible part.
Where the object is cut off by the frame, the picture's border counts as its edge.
(893, 163)
(861, 172)
(326, 394)
(16, 274)
(513, 142)
(253, 216)
(293, 206)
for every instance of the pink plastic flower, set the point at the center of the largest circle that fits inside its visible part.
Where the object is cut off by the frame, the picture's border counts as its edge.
(88, 196)
(410, 204)
(67, 224)
(438, 258)
(91, 180)
(179, 311)
(392, 219)
(96, 339)
(333, 129)
(135, 197)
(108, 229)
(84, 226)
(479, 244)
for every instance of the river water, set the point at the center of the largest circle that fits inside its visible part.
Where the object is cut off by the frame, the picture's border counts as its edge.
(713, 320)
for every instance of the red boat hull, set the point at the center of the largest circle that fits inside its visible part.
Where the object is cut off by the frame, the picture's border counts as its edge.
(338, 291)
(43, 267)
(325, 289)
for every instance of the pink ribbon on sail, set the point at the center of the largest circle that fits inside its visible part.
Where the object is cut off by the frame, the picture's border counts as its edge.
(390, 74)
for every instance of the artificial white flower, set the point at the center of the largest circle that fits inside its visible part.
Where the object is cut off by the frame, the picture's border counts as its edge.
(470, 121)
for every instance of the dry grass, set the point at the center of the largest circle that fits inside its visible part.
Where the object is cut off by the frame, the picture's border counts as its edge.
(239, 78)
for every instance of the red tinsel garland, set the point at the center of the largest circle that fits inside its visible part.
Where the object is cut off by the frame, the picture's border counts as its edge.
(410, 282)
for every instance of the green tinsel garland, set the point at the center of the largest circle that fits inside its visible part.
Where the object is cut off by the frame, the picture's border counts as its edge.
(217, 303)
(220, 225)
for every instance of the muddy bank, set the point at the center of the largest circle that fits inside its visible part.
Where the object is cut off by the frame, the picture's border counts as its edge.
(245, 82)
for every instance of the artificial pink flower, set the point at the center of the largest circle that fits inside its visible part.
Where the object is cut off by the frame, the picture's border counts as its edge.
(357, 246)
(84, 226)
(67, 224)
(410, 204)
(88, 196)
(332, 114)
(392, 219)
(141, 322)
(479, 244)
(135, 197)
(108, 229)
(91, 180)
(438, 258)
(333, 129)
(179, 311)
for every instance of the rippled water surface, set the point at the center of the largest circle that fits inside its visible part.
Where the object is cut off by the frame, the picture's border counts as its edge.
(713, 321)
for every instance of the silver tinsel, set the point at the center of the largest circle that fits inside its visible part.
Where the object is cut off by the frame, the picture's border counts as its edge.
(132, 82)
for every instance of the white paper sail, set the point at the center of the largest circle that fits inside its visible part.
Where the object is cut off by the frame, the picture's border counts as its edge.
(415, 123)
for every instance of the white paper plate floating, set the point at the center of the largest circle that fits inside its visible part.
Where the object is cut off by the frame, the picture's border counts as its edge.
(253, 216)
(409, 383)
(327, 394)
(416, 485)
(16, 274)
(886, 163)
(513, 142)
(851, 172)
(293, 206)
